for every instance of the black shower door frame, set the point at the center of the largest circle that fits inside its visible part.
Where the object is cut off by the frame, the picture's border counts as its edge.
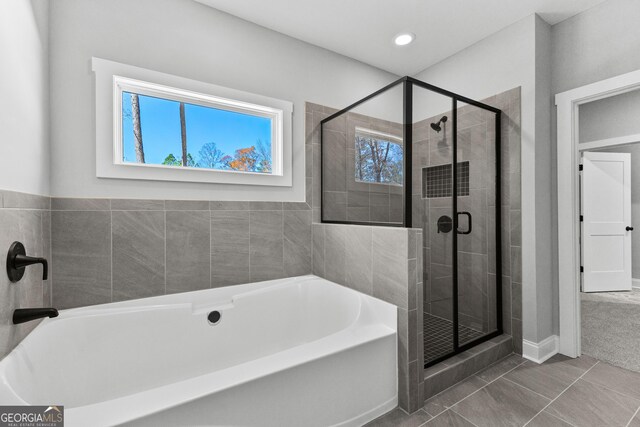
(407, 92)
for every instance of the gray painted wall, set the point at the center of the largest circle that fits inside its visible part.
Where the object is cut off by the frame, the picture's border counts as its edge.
(597, 44)
(610, 117)
(546, 282)
(24, 136)
(205, 45)
(24, 103)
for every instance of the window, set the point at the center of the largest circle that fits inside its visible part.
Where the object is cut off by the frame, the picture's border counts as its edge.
(175, 129)
(213, 138)
(159, 128)
(378, 157)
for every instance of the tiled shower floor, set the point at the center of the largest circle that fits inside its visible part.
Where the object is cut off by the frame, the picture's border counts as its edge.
(438, 336)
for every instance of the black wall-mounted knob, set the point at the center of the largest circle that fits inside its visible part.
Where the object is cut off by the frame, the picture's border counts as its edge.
(17, 260)
(445, 224)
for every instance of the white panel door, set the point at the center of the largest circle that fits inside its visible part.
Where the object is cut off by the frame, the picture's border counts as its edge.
(606, 226)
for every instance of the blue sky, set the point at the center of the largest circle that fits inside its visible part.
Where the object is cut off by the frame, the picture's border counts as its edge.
(160, 120)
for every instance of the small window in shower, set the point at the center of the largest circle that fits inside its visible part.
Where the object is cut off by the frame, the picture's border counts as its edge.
(436, 181)
(378, 157)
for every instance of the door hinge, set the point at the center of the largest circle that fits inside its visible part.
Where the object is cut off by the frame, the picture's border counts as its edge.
(581, 269)
(581, 218)
(580, 167)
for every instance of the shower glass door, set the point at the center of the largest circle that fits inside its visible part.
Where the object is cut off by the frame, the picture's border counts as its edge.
(433, 212)
(415, 155)
(476, 223)
(455, 166)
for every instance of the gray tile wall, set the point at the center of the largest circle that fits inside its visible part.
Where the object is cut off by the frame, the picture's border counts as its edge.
(382, 262)
(103, 250)
(113, 250)
(25, 218)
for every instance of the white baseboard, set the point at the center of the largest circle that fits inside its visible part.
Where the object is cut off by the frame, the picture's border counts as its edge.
(539, 352)
(635, 283)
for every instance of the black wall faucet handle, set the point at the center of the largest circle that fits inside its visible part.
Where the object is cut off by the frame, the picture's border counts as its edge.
(17, 260)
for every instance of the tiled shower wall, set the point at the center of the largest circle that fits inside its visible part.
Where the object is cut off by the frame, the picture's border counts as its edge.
(25, 218)
(345, 198)
(475, 151)
(349, 200)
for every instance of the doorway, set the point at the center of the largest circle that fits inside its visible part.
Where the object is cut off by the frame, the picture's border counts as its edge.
(605, 219)
(613, 127)
(610, 256)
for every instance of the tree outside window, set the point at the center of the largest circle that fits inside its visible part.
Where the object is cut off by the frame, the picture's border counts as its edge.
(378, 160)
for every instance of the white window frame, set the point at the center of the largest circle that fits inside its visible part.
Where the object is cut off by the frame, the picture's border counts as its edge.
(380, 136)
(112, 79)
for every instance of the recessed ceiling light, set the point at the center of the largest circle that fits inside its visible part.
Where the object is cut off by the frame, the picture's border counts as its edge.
(404, 39)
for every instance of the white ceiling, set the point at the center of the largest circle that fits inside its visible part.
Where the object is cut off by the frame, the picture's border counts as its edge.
(364, 29)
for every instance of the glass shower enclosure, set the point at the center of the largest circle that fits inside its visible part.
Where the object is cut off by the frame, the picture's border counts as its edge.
(415, 155)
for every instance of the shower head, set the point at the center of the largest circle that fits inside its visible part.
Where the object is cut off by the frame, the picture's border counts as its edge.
(436, 126)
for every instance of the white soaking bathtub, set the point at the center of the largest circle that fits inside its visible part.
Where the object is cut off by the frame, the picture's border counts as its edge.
(292, 352)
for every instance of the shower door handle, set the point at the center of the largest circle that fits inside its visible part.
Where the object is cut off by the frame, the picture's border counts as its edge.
(468, 231)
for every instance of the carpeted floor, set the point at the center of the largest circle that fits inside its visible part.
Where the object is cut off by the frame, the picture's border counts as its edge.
(611, 327)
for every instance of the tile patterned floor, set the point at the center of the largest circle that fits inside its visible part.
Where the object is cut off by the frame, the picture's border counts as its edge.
(438, 336)
(561, 392)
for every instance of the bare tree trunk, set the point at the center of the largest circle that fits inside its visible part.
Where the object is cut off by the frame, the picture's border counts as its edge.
(137, 128)
(359, 160)
(379, 160)
(183, 130)
(383, 163)
(374, 159)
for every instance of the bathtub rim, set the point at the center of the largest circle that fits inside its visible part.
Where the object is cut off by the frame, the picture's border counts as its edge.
(166, 396)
